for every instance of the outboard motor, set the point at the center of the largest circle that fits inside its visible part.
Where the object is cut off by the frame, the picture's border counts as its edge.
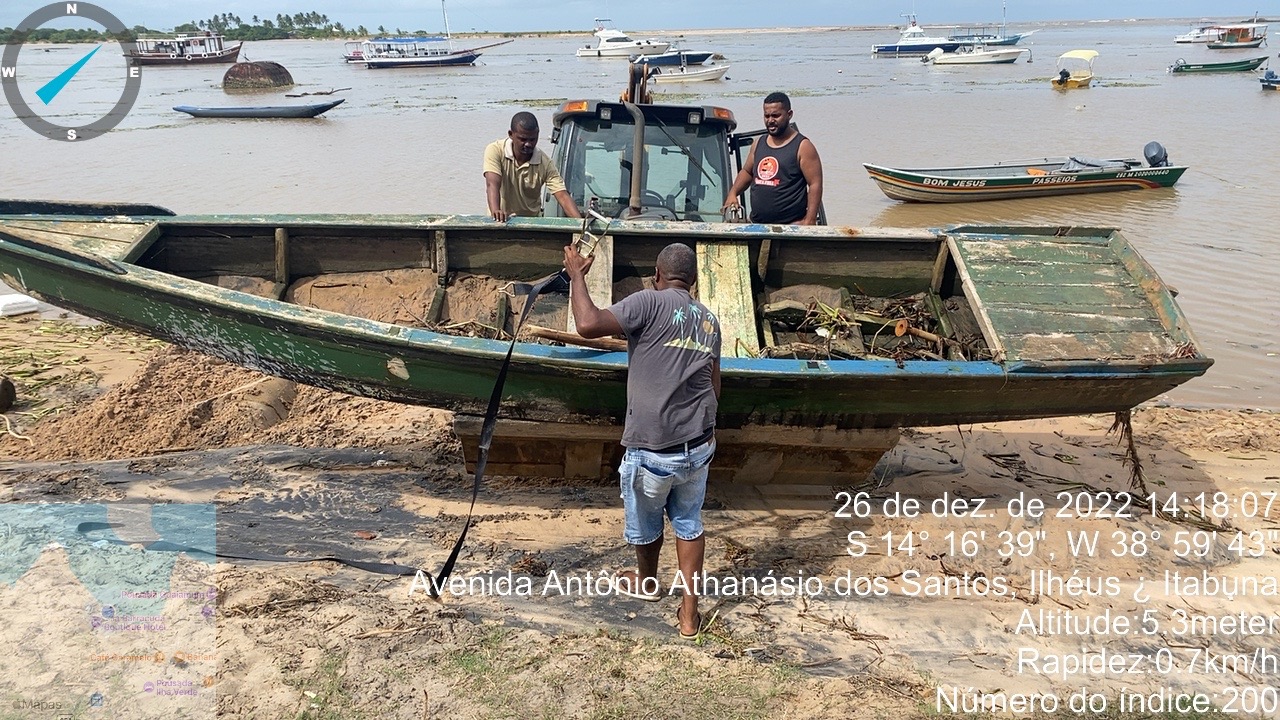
(1155, 154)
(1063, 76)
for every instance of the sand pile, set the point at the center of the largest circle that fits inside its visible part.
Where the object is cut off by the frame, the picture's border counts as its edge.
(181, 400)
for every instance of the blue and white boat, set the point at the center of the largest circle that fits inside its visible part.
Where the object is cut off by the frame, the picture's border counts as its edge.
(674, 57)
(914, 41)
(427, 51)
(434, 51)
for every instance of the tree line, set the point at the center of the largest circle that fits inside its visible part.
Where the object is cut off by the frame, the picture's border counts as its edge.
(310, 25)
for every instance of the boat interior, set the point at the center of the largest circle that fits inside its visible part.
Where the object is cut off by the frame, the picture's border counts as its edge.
(805, 298)
(969, 294)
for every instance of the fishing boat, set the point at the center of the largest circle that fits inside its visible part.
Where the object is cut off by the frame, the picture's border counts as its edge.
(198, 49)
(674, 57)
(261, 111)
(922, 327)
(1182, 66)
(1075, 69)
(1239, 37)
(1027, 178)
(914, 41)
(1269, 80)
(975, 55)
(613, 43)
(353, 52)
(1201, 34)
(687, 73)
(993, 35)
(420, 52)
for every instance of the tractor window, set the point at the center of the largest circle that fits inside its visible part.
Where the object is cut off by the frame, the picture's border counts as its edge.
(685, 166)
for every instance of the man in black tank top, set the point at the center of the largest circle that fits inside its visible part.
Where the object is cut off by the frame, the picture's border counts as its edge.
(783, 171)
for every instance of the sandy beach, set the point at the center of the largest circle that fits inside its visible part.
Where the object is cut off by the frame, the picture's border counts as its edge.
(975, 600)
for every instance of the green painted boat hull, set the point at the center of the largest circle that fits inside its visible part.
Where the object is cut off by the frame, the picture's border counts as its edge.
(109, 279)
(1013, 181)
(1212, 67)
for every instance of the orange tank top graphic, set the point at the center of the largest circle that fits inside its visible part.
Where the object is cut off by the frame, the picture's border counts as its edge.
(767, 171)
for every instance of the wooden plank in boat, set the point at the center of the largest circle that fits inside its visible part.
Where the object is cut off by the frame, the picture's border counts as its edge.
(1064, 319)
(109, 240)
(724, 286)
(1088, 346)
(1114, 296)
(599, 280)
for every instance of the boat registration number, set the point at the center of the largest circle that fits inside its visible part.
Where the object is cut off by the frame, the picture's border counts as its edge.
(954, 183)
(1053, 179)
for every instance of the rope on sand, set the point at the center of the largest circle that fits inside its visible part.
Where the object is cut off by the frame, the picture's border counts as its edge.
(8, 428)
(1124, 423)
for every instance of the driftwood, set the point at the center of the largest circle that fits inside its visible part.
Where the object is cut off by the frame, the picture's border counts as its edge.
(318, 92)
(568, 338)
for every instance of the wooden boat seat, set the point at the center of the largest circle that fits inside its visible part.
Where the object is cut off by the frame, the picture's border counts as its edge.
(725, 270)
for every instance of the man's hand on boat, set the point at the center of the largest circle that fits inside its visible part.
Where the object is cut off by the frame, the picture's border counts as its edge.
(501, 215)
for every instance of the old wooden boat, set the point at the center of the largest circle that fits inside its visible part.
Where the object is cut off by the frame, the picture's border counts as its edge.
(834, 337)
(261, 111)
(1239, 37)
(184, 49)
(1247, 65)
(1027, 178)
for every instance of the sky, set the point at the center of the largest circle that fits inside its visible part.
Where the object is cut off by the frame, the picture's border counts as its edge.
(534, 15)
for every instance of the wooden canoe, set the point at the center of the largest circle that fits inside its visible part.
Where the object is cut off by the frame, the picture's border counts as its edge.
(1020, 179)
(261, 111)
(1250, 64)
(1037, 322)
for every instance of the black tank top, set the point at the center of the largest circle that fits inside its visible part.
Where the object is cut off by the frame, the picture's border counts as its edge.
(779, 193)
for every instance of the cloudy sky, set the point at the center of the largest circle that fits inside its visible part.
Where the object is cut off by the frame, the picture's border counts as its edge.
(525, 15)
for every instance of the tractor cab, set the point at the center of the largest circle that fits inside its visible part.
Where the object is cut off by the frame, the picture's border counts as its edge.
(644, 161)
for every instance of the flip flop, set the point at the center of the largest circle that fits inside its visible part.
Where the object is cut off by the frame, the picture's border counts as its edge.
(624, 581)
(679, 625)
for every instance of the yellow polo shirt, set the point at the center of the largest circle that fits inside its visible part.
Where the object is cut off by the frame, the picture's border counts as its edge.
(521, 186)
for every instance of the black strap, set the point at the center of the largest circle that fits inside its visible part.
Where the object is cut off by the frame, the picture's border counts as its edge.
(552, 283)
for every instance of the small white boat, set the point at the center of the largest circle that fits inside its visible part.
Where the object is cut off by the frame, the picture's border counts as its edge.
(1202, 34)
(975, 55)
(611, 43)
(687, 73)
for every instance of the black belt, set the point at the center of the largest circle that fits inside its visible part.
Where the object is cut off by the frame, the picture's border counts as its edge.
(687, 446)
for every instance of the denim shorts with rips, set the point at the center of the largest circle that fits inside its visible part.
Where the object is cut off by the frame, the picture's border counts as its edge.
(655, 483)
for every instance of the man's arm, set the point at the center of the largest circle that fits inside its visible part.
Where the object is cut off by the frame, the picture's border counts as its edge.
(740, 182)
(590, 321)
(811, 168)
(493, 192)
(567, 204)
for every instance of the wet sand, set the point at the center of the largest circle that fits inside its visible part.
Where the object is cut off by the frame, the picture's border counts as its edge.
(302, 472)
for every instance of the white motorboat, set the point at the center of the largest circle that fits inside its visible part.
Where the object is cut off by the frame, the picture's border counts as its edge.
(914, 41)
(611, 43)
(687, 73)
(1202, 34)
(975, 55)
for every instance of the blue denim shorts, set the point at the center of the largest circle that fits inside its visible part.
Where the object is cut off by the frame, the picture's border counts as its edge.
(653, 483)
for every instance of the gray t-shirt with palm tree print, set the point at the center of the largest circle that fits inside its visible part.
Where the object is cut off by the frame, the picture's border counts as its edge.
(672, 342)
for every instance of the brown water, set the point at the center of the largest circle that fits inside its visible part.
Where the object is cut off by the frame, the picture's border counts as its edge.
(410, 140)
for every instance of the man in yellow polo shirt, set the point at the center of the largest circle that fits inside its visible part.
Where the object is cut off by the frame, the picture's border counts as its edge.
(515, 171)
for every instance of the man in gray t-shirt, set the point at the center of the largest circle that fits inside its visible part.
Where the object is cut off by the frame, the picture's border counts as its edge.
(673, 389)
